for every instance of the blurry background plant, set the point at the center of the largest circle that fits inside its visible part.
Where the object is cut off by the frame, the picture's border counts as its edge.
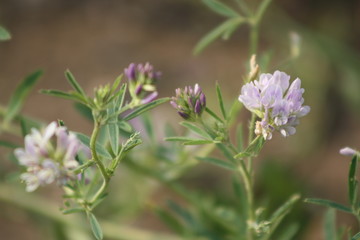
(59, 34)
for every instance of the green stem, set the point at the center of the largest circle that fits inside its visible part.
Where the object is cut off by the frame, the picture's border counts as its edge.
(106, 177)
(254, 38)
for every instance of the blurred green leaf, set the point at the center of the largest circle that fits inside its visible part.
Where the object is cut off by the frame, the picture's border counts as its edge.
(4, 34)
(211, 113)
(99, 148)
(70, 96)
(218, 162)
(217, 32)
(125, 126)
(192, 127)
(72, 210)
(84, 110)
(71, 79)
(180, 139)
(20, 94)
(220, 99)
(8, 144)
(170, 221)
(352, 182)
(145, 108)
(289, 232)
(253, 149)
(221, 8)
(240, 137)
(113, 130)
(356, 236)
(149, 128)
(95, 226)
(328, 203)
(329, 225)
(242, 201)
(281, 212)
(198, 142)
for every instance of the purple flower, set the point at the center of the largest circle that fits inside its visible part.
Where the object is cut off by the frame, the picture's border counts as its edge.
(48, 156)
(142, 78)
(276, 102)
(189, 102)
(346, 151)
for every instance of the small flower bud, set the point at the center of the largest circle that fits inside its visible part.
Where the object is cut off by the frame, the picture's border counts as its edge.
(346, 151)
(190, 102)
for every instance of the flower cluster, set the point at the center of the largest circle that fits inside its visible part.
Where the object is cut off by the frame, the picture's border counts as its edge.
(189, 102)
(46, 161)
(278, 105)
(142, 78)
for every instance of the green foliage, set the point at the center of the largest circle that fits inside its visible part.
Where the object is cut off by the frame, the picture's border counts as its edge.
(18, 98)
(4, 34)
(95, 226)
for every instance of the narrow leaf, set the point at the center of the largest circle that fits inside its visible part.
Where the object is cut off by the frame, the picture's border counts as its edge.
(145, 108)
(329, 225)
(72, 210)
(8, 144)
(192, 127)
(356, 236)
(170, 221)
(71, 79)
(328, 203)
(84, 110)
(99, 148)
(218, 162)
(220, 99)
(216, 33)
(240, 137)
(211, 113)
(114, 135)
(352, 182)
(20, 94)
(198, 142)
(65, 95)
(253, 149)
(121, 97)
(282, 211)
(4, 34)
(95, 226)
(221, 8)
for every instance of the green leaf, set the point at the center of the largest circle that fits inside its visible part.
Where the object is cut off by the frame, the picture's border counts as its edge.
(8, 144)
(149, 128)
(220, 8)
(145, 108)
(84, 110)
(220, 99)
(198, 142)
(289, 232)
(170, 221)
(72, 210)
(99, 148)
(211, 113)
(328, 203)
(242, 201)
(71, 79)
(253, 149)
(4, 34)
(281, 212)
(95, 226)
(240, 137)
(218, 162)
(217, 32)
(192, 127)
(125, 126)
(352, 182)
(329, 225)
(179, 139)
(356, 236)
(70, 96)
(114, 137)
(20, 94)
(121, 96)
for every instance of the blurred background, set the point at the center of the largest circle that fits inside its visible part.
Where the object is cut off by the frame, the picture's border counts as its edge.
(96, 40)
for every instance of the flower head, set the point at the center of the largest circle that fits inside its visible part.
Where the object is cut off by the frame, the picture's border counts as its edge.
(276, 102)
(48, 156)
(189, 102)
(142, 78)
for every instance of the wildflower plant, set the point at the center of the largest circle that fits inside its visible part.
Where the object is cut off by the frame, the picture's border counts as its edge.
(84, 166)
